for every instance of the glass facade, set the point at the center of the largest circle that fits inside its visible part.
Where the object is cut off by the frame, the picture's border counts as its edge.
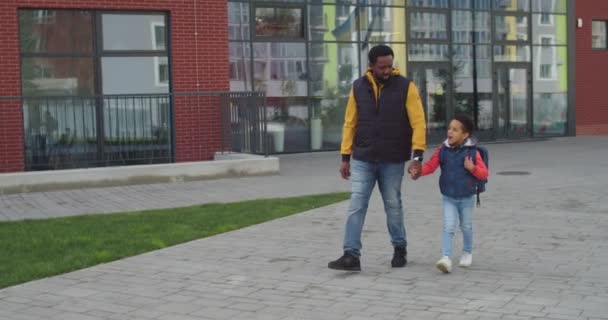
(504, 62)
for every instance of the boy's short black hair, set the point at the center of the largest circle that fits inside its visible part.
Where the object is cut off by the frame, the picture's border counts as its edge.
(467, 122)
(379, 51)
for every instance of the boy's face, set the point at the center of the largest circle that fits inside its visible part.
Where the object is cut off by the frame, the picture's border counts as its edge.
(456, 134)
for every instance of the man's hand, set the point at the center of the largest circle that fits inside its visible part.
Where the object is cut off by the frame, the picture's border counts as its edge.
(414, 169)
(345, 170)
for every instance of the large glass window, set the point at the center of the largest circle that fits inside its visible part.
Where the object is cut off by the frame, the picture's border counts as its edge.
(71, 61)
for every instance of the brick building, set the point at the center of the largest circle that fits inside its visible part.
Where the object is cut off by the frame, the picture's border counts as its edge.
(106, 82)
(591, 66)
(83, 80)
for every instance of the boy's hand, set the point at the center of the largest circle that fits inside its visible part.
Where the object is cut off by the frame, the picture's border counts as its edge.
(468, 164)
(414, 169)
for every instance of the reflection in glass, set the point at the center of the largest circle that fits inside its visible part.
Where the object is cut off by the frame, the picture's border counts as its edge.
(133, 75)
(462, 26)
(57, 76)
(425, 25)
(59, 132)
(133, 32)
(279, 22)
(512, 53)
(511, 28)
(55, 31)
(550, 91)
(280, 71)
(555, 6)
(464, 101)
(428, 3)
(512, 5)
(428, 52)
(512, 102)
(334, 66)
(382, 24)
(387, 2)
(240, 66)
(432, 85)
(238, 21)
(549, 29)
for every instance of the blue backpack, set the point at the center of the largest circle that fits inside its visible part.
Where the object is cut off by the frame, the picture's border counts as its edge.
(481, 184)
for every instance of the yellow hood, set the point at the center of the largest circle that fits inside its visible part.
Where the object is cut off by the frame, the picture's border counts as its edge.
(370, 76)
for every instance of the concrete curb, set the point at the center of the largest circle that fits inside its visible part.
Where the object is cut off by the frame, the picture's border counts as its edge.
(227, 165)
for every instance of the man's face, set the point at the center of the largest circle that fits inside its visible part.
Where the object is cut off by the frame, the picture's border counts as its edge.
(382, 68)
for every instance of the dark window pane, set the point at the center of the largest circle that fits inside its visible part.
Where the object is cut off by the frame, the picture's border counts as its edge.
(133, 32)
(279, 22)
(55, 31)
(57, 76)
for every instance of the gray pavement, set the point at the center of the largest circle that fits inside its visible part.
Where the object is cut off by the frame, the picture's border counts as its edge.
(541, 249)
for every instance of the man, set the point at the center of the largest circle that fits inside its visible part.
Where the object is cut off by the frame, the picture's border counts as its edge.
(384, 121)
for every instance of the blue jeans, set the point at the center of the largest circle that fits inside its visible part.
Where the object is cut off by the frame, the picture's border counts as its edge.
(460, 209)
(363, 179)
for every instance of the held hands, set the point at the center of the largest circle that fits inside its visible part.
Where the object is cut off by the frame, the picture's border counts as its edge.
(414, 169)
(468, 164)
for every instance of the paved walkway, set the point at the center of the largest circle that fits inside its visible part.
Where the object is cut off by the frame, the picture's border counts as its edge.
(541, 250)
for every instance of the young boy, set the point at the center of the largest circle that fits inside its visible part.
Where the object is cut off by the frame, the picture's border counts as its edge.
(457, 182)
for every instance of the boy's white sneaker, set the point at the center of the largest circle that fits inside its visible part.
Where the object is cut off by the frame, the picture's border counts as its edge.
(466, 259)
(444, 264)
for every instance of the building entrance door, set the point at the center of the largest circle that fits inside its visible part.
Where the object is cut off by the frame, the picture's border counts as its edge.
(432, 80)
(512, 100)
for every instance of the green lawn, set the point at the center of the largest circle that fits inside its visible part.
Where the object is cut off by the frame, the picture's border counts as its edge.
(36, 249)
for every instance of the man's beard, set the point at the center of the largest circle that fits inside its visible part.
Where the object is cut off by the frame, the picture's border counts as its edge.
(382, 80)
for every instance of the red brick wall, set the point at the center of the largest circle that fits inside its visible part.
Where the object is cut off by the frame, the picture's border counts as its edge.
(591, 72)
(199, 63)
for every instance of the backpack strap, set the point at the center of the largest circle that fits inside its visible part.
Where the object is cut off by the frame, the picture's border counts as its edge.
(473, 155)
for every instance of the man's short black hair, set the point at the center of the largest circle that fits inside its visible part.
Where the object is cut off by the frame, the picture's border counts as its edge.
(379, 51)
(467, 123)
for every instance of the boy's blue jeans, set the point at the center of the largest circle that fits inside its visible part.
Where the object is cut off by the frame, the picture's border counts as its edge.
(454, 210)
(363, 179)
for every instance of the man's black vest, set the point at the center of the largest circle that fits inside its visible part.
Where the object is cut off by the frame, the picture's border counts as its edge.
(383, 131)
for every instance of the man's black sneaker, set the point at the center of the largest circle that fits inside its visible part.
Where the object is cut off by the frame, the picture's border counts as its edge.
(346, 263)
(399, 257)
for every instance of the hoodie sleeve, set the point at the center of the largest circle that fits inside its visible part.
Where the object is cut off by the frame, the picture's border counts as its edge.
(415, 113)
(350, 124)
(432, 164)
(480, 171)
